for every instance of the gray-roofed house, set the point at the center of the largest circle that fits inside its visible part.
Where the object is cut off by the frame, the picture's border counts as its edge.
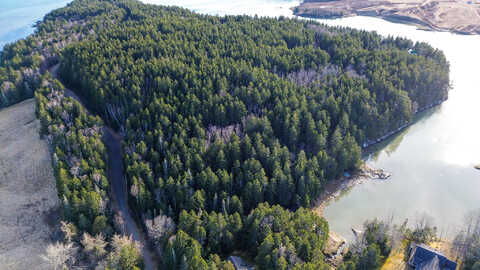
(422, 257)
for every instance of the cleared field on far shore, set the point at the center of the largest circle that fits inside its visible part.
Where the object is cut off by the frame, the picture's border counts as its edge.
(460, 16)
(28, 197)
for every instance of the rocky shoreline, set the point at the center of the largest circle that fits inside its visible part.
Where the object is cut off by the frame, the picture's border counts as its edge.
(337, 246)
(337, 187)
(462, 17)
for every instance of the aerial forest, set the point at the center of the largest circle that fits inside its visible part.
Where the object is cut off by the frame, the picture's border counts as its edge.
(231, 126)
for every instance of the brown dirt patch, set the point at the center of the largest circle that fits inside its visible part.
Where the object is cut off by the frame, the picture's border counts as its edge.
(29, 202)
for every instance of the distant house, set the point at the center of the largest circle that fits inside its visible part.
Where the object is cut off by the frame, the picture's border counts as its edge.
(412, 51)
(240, 264)
(422, 257)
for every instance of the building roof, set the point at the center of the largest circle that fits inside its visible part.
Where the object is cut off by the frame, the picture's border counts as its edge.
(423, 257)
(433, 264)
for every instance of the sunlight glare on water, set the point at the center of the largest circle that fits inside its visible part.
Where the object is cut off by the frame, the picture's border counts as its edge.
(454, 129)
(273, 8)
(432, 162)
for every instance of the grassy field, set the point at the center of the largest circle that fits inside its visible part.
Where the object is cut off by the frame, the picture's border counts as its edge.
(397, 259)
(29, 202)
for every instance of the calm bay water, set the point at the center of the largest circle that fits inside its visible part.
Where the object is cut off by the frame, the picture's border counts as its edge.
(432, 161)
(18, 16)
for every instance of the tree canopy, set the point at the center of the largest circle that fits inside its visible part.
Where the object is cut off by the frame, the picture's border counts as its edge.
(231, 125)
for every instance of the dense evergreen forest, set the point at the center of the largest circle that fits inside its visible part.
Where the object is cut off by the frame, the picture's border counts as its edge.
(231, 125)
(79, 163)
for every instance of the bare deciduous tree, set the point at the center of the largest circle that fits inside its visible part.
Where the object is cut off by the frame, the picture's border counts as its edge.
(69, 231)
(94, 246)
(59, 254)
(467, 242)
(160, 227)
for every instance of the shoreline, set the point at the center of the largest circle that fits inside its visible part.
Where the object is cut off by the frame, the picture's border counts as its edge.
(337, 245)
(390, 12)
(336, 188)
(392, 133)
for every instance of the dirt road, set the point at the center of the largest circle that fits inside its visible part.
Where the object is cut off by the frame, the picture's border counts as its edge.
(118, 183)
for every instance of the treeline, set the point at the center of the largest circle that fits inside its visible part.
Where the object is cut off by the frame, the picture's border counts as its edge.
(372, 247)
(374, 244)
(23, 62)
(79, 158)
(19, 72)
(220, 116)
(79, 162)
(276, 238)
(202, 97)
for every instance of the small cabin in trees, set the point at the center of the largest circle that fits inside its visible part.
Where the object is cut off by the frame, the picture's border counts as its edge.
(423, 257)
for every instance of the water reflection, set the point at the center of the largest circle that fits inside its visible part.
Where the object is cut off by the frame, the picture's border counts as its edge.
(390, 145)
(272, 8)
(432, 161)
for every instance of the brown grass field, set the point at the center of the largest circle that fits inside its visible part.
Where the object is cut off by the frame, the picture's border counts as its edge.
(28, 197)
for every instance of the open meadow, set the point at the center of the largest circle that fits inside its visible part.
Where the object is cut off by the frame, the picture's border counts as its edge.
(29, 202)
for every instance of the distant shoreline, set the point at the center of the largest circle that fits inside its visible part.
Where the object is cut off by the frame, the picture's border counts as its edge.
(436, 16)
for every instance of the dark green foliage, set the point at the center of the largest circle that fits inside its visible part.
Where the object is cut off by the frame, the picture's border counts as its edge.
(222, 117)
(221, 114)
(217, 107)
(79, 157)
(280, 239)
(275, 237)
(184, 252)
(372, 248)
(216, 232)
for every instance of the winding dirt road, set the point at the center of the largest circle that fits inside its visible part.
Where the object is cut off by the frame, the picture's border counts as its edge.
(118, 183)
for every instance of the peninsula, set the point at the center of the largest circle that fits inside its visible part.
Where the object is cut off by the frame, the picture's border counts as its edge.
(207, 137)
(459, 16)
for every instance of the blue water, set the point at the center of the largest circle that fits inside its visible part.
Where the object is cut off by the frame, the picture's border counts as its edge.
(17, 17)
